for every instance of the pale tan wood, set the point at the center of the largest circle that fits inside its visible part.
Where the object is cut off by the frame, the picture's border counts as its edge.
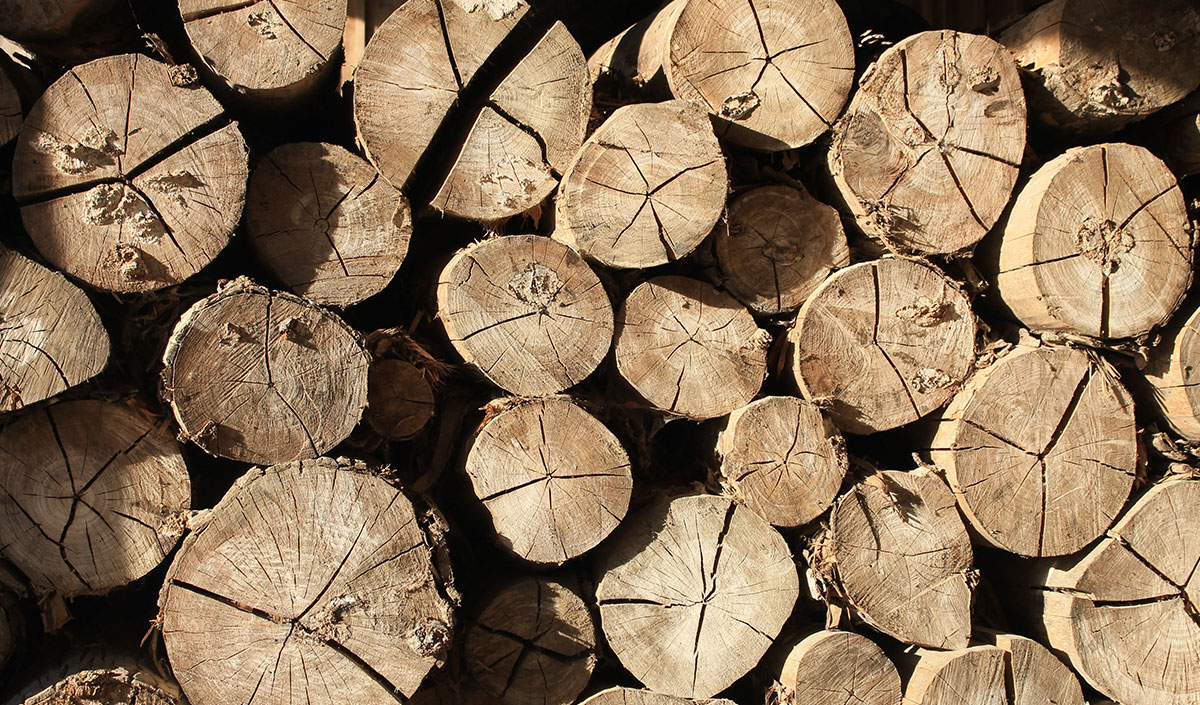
(534, 643)
(325, 223)
(780, 244)
(1124, 612)
(774, 74)
(399, 399)
(11, 115)
(534, 452)
(110, 686)
(831, 667)
(1171, 369)
(428, 54)
(902, 558)
(51, 337)
(688, 348)
(1094, 67)
(258, 375)
(883, 343)
(127, 181)
(315, 581)
(645, 189)
(781, 458)
(968, 676)
(928, 152)
(267, 50)
(1035, 675)
(692, 591)
(527, 312)
(631, 696)
(1040, 449)
(1098, 244)
(93, 495)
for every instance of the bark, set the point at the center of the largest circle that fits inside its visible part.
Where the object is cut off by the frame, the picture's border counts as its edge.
(829, 667)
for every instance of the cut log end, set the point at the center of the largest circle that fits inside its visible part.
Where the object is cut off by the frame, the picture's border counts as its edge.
(107, 501)
(527, 312)
(110, 686)
(835, 667)
(323, 221)
(399, 399)
(533, 644)
(260, 376)
(967, 676)
(689, 349)
(1173, 371)
(1035, 675)
(631, 696)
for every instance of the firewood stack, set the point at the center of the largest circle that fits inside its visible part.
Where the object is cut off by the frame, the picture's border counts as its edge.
(511, 352)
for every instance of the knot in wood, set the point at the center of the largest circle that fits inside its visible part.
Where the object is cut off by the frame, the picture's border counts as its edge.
(926, 313)
(431, 638)
(1110, 92)
(267, 23)
(114, 204)
(183, 75)
(984, 79)
(292, 328)
(495, 9)
(740, 106)
(536, 285)
(127, 259)
(172, 184)
(1164, 41)
(96, 150)
(929, 378)
(1103, 242)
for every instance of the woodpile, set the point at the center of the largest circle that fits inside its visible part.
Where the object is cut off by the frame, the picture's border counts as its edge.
(528, 352)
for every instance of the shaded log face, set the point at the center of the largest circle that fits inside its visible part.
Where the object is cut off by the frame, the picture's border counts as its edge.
(399, 399)
(92, 495)
(10, 109)
(260, 376)
(312, 581)
(1098, 244)
(734, 585)
(1173, 371)
(130, 178)
(929, 150)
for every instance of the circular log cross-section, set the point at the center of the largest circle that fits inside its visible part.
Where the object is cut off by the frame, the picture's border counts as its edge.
(1040, 450)
(1124, 611)
(903, 558)
(92, 496)
(883, 343)
(269, 50)
(533, 644)
(51, 337)
(1173, 371)
(781, 458)
(309, 582)
(929, 150)
(775, 74)
(1035, 675)
(1098, 244)
(646, 188)
(1095, 67)
(263, 376)
(127, 180)
(323, 221)
(733, 585)
(399, 399)
(422, 88)
(527, 312)
(968, 676)
(630, 696)
(109, 686)
(834, 668)
(553, 479)
(689, 349)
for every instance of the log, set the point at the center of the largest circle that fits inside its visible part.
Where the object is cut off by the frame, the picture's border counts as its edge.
(655, 212)
(1123, 611)
(928, 152)
(325, 224)
(258, 375)
(1035, 675)
(967, 676)
(399, 399)
(1094, 68)
(775, 75)
(11, 114)
(881, 344)
(69, 31)
(13, 623)
(533, 452)
(527, 312)
(447, 82)
(93, 495)
(781, 458)
(632, 696)
(272, 53)
(830, 667)
(51, 339)
(898, 554)
(128, 181)
(314, 581)
(1087, 234)
(110, 686)
(688, 348)
(1040, 450)
(732, 586)
(780, 244)
(1172, 367)
(534, 643)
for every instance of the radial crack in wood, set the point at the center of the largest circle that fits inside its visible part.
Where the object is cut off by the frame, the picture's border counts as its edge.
(831, 667)
(631, 696)
(973, 675)
(1035, 675)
